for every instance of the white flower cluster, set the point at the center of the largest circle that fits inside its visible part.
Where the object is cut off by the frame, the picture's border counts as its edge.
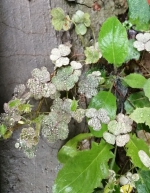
(88, 85)
(66, 78)
(97, 117)
(27, 141)
(118, 130)
(142, 42)
(145, 159)
(129, 179)
(39, 85)
(58, 55)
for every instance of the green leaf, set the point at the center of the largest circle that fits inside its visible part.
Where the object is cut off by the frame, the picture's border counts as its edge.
(87, 21)
(69, 150)
(133, 147)
(59, 19)
(113, 41)
(107, 101)
(146, 88)
(139, 14)
(25, 108)
(141, 115)
(92, 55)
(135, 80)
(14, 103)
(132, 52)
(74, 105)
(80, 29)
(85, 171)
(143, 185)
(3, 130)
(136, 100)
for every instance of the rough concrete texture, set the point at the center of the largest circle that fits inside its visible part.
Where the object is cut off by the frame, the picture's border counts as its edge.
(26, 39)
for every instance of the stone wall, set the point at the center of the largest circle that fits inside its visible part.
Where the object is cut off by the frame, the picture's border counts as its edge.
(26, 39)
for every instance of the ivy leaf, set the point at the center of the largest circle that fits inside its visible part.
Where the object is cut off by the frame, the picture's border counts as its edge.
(133, 147)
(139, 14)
(113, 41)
(60, 20)
(69, 150)
(86, 169)
(132, 52)
(143, 185)
(80, 29)
(141, 115)
(146, 88)
(107, 101)
(136, 100)
(135, 80)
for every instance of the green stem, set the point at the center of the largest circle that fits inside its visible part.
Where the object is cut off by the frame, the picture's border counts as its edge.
(113, 160)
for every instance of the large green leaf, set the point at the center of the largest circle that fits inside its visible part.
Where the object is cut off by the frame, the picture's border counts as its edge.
(135, 80)
(69, 150)
(143, 185)
(136, 100)
(146, 88)
(132, 52)
(85, 171)
(141, 115)
(113, 41)
(133, 147)
(107, 101)
(139, 14)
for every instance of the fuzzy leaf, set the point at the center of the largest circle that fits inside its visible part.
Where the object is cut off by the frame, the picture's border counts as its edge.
(132, 52)
(69, 150)
(92, 55)
(141, 115)
(107, 101)
(135, 80)
(143, 185)
(133, 147)
(113, 41)
(14, 103)
(80, 29)
(146, 88)
(84, 171)
(139, 14)
(135, 100)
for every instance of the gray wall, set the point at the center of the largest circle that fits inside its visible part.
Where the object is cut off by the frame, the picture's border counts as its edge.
(26, 39)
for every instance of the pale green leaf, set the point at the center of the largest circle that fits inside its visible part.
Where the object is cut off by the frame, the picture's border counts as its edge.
(113, 41)
(92, 55)
(80, 29)
(132, 52)
(14, 103)
(137, 99)
(69, 150)
(78, 17)
(87, 21)
(135, 80)
(3, 130)
(74, 105)
(107, 101)
(143, 185)
(85, 171)
(139, 14)
(141, 115)
(133, 147)
(146, 88)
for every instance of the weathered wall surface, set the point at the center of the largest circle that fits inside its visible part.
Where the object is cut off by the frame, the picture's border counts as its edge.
(26, 39)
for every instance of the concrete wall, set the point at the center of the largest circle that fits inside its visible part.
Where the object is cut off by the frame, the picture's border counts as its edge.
(26, 39)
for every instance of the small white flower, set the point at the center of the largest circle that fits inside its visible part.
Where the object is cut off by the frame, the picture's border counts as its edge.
(96, 73)
(143, 42)
(91, 112)
(76, 65)
(95, 123)
(109, 138)
(55, 54)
